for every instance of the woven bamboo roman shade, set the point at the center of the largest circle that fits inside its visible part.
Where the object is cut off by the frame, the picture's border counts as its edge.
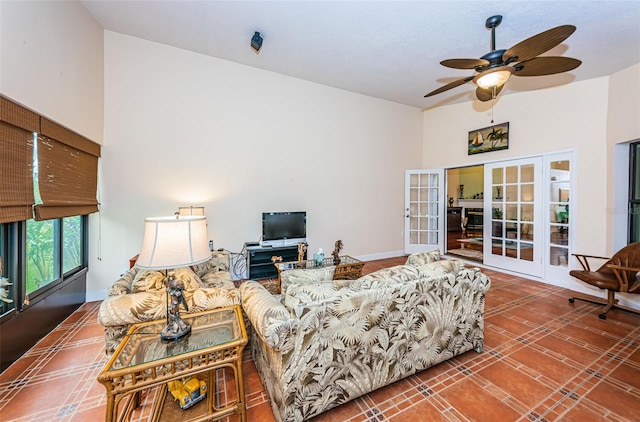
(67, 167)
(67, 172)
(17, 125)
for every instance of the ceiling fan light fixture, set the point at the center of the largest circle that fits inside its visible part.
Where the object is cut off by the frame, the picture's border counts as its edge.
(495, 77)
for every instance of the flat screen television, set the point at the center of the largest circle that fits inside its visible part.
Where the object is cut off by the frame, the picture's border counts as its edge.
(284, 228)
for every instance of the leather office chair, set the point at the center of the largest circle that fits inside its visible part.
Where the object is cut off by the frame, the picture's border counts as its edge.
(618, 274)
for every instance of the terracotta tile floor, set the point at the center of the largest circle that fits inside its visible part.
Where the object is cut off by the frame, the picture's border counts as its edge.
(544, 360)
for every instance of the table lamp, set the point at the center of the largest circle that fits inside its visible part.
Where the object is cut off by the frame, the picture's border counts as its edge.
(174, 242)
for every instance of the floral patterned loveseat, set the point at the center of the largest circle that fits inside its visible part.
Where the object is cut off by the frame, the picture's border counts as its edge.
(327, 342)
(140, 295)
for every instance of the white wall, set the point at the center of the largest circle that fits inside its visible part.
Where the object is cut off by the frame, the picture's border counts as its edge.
(623, 127)
(187, 129)
(51, 60)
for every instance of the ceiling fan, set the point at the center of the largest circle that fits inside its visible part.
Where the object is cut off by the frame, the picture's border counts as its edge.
(522, 59)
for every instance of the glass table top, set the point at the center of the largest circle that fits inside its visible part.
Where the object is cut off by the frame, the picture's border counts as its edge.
(143, 344)
(310, 263)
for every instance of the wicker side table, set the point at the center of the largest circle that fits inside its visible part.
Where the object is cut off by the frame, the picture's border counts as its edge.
(143, 361)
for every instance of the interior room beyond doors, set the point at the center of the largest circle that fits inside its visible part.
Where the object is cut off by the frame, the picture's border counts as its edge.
(465, 208)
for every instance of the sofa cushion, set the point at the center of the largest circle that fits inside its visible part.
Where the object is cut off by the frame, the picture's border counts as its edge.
(445, 266)
(220, 279)
(422, 258)
(153, 280)
(304, 276)
(219, 262)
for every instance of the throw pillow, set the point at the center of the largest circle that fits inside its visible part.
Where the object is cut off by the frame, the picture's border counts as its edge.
(153, 280)
(148, 281)
(445, 266)
(421, 258)
(219, 262)
(190, 280)
(304, 276)
(219, 279)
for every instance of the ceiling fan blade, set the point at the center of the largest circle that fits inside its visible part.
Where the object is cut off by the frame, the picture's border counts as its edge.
(487, 94)
(464, 63)
(449, 86)
(546, 65)
(538, 44)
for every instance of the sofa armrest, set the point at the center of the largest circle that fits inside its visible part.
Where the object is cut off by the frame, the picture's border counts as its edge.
(471, 279)
(269, 318)
(149, 306)
(129, 309)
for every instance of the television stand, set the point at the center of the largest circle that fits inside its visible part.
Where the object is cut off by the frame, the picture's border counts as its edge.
(260, 265)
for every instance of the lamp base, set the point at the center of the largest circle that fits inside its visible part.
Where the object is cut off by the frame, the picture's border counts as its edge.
(171, 334)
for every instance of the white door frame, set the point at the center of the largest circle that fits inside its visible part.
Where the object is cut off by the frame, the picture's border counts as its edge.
(424, 210)
(509, 236)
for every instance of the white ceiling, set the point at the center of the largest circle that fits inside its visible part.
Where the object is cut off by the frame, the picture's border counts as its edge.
(384, 49)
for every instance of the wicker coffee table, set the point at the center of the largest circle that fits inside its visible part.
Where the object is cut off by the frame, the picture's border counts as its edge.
(349, 268)
(143, 361)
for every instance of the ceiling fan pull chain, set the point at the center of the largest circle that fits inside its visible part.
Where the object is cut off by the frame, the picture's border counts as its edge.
(492, 104)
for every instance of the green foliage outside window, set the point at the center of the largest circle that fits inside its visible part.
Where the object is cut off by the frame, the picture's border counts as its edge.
(71, 243)
(40, 254)
(43, 252)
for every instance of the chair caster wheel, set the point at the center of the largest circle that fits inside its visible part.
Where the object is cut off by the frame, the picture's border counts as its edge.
(571, 300)
(602, 316)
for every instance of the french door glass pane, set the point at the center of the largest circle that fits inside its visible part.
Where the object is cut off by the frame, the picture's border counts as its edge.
(558, 208)
(512, 174)
(526, 173)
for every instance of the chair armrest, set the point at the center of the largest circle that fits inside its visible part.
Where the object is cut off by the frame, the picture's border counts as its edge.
(622, 274)
(269, 318)
(584, 260)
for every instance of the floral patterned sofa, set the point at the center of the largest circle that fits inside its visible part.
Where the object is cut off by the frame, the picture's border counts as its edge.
(327, 342)
(140, 295)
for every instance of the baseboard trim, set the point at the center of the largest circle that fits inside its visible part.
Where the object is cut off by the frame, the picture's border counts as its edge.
(381, 255)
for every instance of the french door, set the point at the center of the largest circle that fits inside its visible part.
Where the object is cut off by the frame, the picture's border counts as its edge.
(513, 227)
(424, 210)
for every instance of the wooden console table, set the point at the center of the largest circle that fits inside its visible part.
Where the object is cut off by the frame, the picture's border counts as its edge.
(143, 360)
(349, 268)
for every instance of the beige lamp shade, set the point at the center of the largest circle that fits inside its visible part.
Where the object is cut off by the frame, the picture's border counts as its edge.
(187, 211)
(173, 242)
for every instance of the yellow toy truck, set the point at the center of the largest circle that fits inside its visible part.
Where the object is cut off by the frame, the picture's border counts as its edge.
(187, 391)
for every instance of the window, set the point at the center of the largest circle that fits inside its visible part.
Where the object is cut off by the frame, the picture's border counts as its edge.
(52, 245)
(42, 256)
(7, 287)
(634, 193)
(72, 235)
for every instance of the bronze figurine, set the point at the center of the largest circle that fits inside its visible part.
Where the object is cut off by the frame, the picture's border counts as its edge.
(336, 252)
